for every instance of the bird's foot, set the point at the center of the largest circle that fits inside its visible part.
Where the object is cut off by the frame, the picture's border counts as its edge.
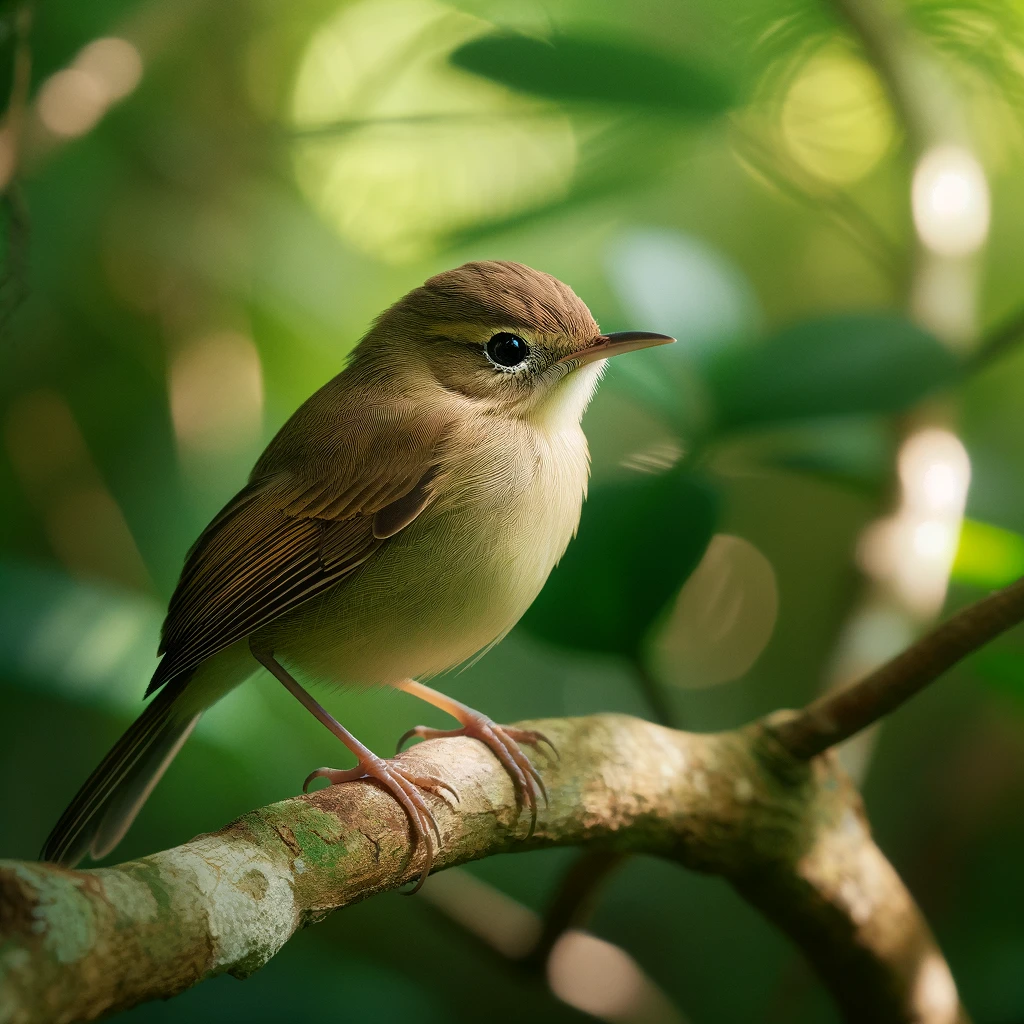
(405, 787)
(503, 742)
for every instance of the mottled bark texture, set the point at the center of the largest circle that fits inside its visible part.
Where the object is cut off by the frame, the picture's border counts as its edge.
(789, 834)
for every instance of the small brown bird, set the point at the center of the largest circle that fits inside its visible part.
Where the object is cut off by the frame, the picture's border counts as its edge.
(401, 521)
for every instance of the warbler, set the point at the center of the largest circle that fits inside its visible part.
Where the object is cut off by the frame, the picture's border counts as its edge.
(400, 522)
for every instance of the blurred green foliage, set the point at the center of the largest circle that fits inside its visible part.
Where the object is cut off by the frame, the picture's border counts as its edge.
(637, 543)
(844, 365)
(188, 253)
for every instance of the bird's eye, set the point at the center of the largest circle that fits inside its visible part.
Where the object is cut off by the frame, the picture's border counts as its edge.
(506, 349)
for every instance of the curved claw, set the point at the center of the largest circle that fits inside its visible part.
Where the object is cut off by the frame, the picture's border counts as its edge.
(424, 732)
(334, 776)
(536, 776)
(433, 784)
(534, 739)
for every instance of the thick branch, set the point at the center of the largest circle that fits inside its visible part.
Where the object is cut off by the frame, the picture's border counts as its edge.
(839, 714)
(790, 835)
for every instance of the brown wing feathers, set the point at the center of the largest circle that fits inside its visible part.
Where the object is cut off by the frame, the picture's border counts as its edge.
(285, 539)
(238, 593)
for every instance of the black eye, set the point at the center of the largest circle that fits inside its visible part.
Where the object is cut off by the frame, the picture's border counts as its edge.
(506, 349)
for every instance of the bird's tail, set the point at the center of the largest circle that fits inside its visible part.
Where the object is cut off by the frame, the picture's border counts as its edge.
(106, 805)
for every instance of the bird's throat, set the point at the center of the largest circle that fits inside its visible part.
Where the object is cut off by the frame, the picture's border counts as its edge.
(564, 404)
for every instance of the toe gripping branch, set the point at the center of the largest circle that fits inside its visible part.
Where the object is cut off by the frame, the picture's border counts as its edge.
(405, 787)
(504, 743)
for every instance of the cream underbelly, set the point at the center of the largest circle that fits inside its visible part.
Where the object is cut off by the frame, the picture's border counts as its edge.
(454, 581)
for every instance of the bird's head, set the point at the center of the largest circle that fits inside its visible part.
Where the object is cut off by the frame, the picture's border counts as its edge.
(513, 340)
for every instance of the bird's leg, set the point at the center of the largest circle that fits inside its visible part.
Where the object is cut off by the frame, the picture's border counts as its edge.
(403, 785)
(501, 740)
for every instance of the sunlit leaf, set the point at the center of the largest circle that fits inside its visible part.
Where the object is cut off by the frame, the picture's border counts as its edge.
(832, 366)
(987, 555)
(577, 68)
(605, 170)
(396, 151)
(639, 540)
(95, 644)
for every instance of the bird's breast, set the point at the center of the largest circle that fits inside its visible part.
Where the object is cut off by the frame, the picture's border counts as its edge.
(463, 572)
(514, 500)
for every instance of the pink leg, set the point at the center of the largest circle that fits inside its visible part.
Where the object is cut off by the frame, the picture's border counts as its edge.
(502, 741)
(398, 781)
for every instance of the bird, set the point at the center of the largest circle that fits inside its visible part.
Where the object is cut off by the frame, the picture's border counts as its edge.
(399, 524)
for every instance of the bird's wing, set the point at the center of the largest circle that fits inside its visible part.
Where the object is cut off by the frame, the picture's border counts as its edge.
(291, 534)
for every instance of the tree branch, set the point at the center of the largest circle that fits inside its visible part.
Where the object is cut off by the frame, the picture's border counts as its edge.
(791, 835)
(839, 714)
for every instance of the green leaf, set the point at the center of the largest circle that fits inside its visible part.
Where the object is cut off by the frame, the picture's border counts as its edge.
(855, 452)
(639, 540)
(581, 69)
(833, 366)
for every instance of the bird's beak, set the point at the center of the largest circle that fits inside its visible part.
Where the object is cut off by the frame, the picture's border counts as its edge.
(605, 345)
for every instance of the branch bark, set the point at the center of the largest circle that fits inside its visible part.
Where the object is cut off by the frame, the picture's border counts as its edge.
(789, 834)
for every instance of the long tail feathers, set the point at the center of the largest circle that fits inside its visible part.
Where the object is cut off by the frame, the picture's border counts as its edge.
(106, 805)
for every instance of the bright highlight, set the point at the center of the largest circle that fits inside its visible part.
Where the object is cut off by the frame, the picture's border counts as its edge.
(398, 150)
(950, 201)
(913, 551)
(835, 119)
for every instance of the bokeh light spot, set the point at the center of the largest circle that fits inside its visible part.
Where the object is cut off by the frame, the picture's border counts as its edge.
(913, 550)
(71, 101)
(835, 119)
(84, 523)
(216, 393)
(723, 618)
(950, 200)
(605, 981)
(115, 63)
